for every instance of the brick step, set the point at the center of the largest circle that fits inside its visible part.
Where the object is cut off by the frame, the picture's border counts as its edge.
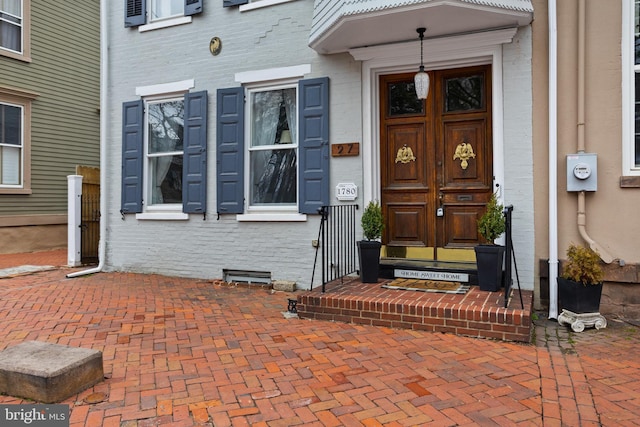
(477, 313)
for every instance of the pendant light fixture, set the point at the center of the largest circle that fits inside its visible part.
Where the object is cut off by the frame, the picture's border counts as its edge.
(421, 79)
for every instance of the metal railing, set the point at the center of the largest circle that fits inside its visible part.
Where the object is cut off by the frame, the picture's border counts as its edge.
(509, 256)
(336, 243)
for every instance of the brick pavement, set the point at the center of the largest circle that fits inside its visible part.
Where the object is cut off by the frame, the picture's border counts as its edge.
(183, 352)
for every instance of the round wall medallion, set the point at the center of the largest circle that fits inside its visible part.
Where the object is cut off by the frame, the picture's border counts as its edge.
(215, 45)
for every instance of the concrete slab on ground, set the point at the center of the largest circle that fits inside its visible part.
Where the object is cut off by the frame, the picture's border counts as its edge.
(47, 372)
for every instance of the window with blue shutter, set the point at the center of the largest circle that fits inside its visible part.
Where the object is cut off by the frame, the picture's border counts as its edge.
(166, 168)
(269, 184)
(230, 150)
(194, 172)
(132, 156)
(314, 144)
(135, 11)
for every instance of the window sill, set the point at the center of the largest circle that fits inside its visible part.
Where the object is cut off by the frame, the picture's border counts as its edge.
(6, 190)
(272, 217)
(630, 182)
(165, 24)
(261, 4)
(163, 216)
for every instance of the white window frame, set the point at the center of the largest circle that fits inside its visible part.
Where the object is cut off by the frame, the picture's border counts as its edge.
(264, 79)
(629, 70)
(163, 91)
(147, 190)
(257, 4)
(25, 38)
(171, 21)
(293, 208)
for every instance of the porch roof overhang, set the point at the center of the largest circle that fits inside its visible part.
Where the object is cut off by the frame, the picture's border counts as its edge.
(342, 25)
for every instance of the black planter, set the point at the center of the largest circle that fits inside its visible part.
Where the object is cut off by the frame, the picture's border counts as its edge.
(578, 298)
(369, 253)
(489, 260)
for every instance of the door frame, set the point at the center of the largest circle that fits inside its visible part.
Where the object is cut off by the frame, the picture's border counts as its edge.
(440, 53)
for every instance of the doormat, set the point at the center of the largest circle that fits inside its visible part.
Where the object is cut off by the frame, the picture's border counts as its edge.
(427, 286)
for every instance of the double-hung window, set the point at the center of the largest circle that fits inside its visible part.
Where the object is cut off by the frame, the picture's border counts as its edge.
(15, 140)
(631, 87)
(14, 29)
(164, 155)
(273, 149)
(152, 14)
(11, 145)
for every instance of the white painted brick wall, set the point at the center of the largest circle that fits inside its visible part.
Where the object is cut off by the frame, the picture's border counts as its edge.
(260, 39)
(518, 154)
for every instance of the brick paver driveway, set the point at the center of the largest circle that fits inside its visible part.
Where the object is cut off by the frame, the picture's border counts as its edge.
(182, 352)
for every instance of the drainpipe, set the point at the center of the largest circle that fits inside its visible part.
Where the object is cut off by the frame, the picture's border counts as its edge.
(553, 160)
(103, 152)
(582, 212)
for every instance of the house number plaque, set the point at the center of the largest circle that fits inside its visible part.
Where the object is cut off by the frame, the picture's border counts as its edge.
(346, 149)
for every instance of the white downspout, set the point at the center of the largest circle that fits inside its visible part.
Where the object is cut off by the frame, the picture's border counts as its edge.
(103, 152)
(553, 160)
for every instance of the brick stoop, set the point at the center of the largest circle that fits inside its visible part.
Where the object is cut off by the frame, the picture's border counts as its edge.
(477, 313)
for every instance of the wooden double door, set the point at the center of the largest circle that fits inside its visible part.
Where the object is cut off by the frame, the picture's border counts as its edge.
(436, 163)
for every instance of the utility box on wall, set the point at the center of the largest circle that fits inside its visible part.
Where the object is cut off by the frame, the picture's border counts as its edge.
(582, 172)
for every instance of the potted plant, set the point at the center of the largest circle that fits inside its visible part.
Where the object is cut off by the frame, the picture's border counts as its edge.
(369, 250)
(490, 257)
(580, 284)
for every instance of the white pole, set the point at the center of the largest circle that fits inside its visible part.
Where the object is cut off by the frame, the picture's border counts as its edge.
(553, 160)
(74, 220)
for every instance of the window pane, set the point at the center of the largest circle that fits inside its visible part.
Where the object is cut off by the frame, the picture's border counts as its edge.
(10, 125)
(403, 99)
(464, 93)
(166, 179)
(10, 36)
(13, 7)
(166, 126)
(10, 167)
(273, 177)
(161, 9)
(272, 112)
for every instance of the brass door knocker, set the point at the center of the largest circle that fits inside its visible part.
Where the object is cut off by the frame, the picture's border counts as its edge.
(405, 155)
(464, 152)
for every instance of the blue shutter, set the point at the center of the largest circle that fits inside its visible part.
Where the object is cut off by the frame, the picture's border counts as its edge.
(192, 7)
(194, 168)
(229, 3)
(230, 150)
(314, 144)
(135, 12)
(132, 154)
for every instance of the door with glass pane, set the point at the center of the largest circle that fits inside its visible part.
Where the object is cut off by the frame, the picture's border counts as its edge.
(436, 163)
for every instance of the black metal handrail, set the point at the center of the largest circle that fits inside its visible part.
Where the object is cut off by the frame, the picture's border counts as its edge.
(336, 243)
(509, 255)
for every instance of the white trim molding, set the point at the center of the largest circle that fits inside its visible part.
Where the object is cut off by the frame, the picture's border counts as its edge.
(254, 76)
(165, 88)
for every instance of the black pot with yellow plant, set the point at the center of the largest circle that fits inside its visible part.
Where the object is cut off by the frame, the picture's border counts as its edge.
(369, 249)
(490, 256)
(580, 283)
